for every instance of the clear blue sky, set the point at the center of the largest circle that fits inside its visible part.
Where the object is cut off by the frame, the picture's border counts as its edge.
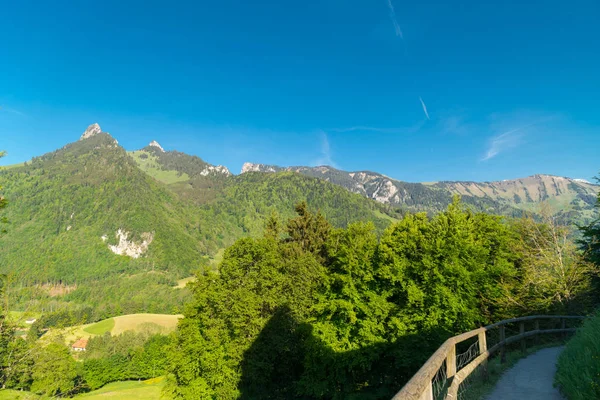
(511, 88)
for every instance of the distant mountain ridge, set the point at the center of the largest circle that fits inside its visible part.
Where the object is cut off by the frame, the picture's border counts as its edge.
(570, 199)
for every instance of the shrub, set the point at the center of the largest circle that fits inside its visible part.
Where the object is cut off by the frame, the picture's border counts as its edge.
(578, 372)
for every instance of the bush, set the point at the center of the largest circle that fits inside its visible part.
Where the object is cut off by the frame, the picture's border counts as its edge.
(578, 372)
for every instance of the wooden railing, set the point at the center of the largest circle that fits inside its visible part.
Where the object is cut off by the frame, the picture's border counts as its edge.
(444, 360)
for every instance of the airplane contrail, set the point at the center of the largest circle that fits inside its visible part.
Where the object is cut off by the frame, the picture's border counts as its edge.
(424, 107)
(395, 20)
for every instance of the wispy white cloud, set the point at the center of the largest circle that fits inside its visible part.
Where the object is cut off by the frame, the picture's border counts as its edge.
(424, 107)
(395, 20)
(325, 157)
(12, 111)
(455, 125)
(505, 141)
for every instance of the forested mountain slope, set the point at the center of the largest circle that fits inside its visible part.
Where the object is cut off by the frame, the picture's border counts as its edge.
(88, 223)
(83, 218)
(75, 213)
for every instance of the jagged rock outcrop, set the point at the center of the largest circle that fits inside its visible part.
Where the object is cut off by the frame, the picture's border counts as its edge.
(154, 143)
(91, 130)
(250, 167)
(129, 248)
(218, 169)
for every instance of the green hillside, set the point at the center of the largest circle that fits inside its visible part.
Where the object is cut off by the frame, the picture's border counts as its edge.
(94, 225)
(67, 208)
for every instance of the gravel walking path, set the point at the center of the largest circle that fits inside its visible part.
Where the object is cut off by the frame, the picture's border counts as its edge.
(530, 378)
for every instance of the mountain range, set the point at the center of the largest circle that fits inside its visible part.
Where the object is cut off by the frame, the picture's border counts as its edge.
(91, 218)
(572, 200)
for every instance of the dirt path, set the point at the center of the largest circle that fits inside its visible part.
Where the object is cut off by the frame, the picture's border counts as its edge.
(531, 378)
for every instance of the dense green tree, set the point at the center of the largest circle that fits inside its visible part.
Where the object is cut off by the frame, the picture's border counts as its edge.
(349, 320)
(98, 372)
(257, 279)
(309, 231)
(127, 356)
(151, 360)
(591, 237)
(339, 306)
(273, 226)
(441, 272)
(554, 275)
(19, 364)
(54, 371)
(427, 276)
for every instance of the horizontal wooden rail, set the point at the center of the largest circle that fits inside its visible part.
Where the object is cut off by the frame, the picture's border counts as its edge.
(420, 387)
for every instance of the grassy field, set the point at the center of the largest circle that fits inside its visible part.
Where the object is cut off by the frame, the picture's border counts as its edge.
(8, 394)
(183, 282)
(100, 328)
(69, 334)
(19, 317)
(150, 166)
(138, 322)
(159, 323)
(381, 215)
(134, 390)
(146, 390)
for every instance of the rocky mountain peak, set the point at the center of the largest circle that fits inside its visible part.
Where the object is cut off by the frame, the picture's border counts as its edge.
(251, 167)
(154, 143)
(579, 180)
(91, 130)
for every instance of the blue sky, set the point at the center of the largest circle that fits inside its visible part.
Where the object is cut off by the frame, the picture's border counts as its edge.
(420, 91)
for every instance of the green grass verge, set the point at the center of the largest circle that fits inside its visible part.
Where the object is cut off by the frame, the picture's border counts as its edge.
(578, 370)
(101, 327)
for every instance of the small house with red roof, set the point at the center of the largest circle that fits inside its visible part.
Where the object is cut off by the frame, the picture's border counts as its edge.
(80, 345)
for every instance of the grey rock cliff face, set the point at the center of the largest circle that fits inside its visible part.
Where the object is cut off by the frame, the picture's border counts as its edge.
(154, 143)
(91, 130)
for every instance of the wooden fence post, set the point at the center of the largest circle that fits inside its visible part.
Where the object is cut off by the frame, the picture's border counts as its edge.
(502, 337)
(483, 349)
(537, 328)
(428, 393)
(451, 362)
(563, 325)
